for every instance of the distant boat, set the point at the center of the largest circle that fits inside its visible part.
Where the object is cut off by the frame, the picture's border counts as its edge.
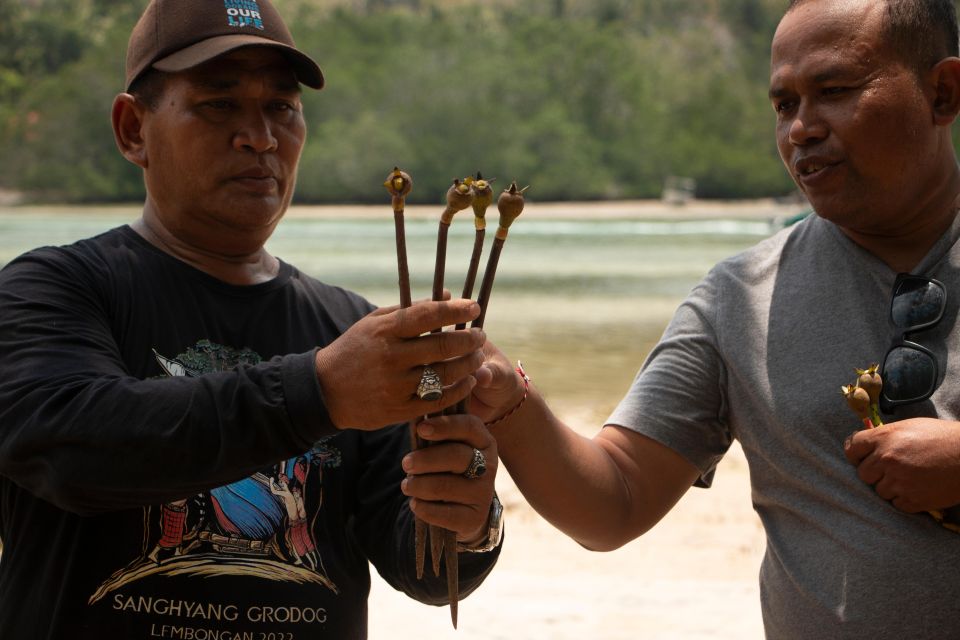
(788, 221)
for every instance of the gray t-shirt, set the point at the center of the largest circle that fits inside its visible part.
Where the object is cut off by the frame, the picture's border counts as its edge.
(758, 352)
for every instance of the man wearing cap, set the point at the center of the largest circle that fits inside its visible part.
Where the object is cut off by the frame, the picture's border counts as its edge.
(195, 437)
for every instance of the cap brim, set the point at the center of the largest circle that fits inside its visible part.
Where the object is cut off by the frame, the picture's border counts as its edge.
(308, 72)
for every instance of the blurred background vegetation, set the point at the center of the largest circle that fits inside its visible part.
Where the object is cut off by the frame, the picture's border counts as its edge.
(585, 99)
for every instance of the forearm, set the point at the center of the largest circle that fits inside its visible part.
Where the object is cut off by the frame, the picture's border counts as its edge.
(97, 441)
(570, 480)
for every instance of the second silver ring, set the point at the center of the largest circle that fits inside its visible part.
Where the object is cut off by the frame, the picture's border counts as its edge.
(477, 466)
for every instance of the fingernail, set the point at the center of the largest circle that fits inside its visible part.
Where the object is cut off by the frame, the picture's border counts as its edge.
(847, 442)
(407, 463)
(426, 429)
(403, 485)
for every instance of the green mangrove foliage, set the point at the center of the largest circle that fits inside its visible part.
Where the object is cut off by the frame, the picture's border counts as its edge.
(587, 99)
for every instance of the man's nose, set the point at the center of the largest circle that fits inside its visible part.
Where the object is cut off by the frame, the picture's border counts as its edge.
(808, 126)
(255, 133)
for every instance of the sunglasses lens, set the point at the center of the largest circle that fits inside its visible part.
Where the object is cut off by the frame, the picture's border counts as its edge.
(908, 374)
(917, 302)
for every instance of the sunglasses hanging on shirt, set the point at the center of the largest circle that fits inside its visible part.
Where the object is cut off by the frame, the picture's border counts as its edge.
(910, 371)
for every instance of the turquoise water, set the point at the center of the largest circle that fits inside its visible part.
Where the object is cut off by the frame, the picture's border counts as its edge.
(600, 258)
(604, 258)
(579, 301)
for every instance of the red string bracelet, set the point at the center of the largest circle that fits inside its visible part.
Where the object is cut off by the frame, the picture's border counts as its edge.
(526, 390)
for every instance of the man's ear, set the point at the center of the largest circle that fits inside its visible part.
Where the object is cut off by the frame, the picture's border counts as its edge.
(945, 77)
(127, 117)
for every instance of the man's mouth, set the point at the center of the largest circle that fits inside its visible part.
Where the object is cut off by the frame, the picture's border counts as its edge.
(811, 168)
(257, 181)
(253, 175)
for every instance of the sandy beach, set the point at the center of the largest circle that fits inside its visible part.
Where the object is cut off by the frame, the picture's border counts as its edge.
(692, 577)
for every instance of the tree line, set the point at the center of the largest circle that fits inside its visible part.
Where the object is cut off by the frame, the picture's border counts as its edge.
(584, 99)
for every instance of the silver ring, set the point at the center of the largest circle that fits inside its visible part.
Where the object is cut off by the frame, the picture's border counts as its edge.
(430, 387)
(477, 466)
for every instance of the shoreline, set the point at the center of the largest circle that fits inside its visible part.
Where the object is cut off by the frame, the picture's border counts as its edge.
(758, 209)
(761, 209)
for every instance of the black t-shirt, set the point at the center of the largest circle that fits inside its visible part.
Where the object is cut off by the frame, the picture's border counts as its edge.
(167, 468)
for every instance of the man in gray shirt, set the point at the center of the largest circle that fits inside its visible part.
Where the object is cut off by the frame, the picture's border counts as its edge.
(865, 93)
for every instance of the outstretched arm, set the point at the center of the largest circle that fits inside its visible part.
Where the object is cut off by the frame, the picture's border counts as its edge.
(602, 492)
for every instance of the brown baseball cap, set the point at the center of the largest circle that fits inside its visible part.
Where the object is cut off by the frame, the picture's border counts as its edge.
(175, 35)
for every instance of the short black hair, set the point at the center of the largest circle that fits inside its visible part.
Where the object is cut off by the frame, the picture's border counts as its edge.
(923, 32)
(148, 88)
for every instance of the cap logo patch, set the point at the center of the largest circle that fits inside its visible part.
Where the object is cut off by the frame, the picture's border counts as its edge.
(243, 13)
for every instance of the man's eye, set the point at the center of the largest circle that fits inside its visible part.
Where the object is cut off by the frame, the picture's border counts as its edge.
(218, 105)
(832, 91)
(783, 106)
